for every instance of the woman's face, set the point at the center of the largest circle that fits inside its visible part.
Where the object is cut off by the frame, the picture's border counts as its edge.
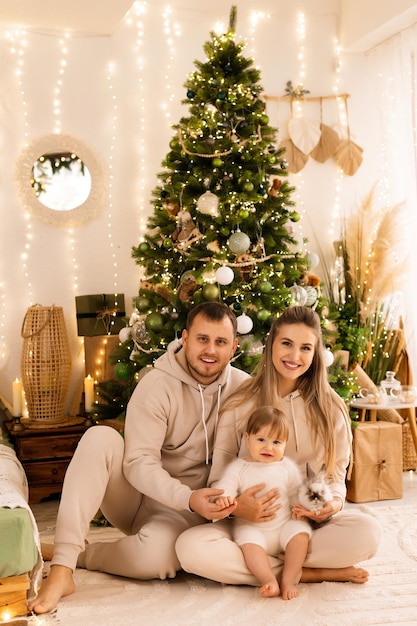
(292, 354)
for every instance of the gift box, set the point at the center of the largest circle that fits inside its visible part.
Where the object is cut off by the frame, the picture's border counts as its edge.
(100, 314)
(377, 462)
(97, 351)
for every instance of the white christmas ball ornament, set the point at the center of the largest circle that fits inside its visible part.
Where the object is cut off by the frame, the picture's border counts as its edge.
(328, 357)
(311, 295)
(239, 242)
(225, 275)
(313, 259)
(125, 334)
(299, 294)
(244, 324)
(208, 204)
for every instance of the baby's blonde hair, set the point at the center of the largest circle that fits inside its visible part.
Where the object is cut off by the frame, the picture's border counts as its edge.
(268, 416)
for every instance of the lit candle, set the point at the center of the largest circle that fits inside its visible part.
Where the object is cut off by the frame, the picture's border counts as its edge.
(17, 397)
(88, 393)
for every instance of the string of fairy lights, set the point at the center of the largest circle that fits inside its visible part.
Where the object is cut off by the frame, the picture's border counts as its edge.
(136, 20)
(300, 35)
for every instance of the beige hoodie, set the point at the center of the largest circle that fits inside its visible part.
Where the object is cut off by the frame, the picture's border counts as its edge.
(169, 431)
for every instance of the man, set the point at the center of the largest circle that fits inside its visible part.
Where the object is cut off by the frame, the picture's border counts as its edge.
(151, 484)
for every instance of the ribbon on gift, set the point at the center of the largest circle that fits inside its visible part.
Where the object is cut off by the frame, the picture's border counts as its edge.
(106, 316)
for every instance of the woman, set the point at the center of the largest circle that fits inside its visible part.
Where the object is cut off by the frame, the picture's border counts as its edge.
(292, 377)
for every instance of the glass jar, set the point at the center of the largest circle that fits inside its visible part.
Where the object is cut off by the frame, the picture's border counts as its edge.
(391, 386)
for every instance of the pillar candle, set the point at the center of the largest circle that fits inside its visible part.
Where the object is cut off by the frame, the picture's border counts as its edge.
(88, 393)
(17, 397)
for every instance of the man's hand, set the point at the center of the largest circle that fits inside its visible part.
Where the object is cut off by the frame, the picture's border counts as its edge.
(257, 509)
(200, 503)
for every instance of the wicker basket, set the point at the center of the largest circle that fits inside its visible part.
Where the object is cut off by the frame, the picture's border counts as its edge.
(409, 451)
(45, 365)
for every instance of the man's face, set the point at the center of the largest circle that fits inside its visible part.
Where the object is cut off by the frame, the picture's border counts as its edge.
(208, 347)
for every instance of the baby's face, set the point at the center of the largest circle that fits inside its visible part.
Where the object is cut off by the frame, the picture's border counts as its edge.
(263, 448)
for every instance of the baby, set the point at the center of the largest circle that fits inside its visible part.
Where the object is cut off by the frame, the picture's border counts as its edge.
(266, 437)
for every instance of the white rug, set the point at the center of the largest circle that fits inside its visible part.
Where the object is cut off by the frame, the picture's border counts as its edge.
(389, 597)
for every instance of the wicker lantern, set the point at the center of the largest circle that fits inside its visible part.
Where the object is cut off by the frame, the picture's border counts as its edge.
(45, 365)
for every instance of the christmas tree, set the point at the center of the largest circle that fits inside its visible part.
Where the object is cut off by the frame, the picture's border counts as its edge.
(222, 225)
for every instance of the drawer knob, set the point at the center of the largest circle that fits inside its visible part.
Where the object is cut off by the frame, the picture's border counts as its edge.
(55, 471)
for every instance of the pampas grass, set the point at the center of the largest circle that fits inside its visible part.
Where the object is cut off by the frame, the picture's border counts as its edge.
(375, 255)
(372, 262)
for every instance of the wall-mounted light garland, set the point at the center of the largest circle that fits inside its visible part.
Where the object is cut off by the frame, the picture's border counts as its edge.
(57, 105)
(110, 182)
(297, 108)
(139, 11)
(18, 46)
(335, 218)
(171, 30)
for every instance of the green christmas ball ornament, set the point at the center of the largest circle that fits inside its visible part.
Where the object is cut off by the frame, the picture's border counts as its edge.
(263, 315)
(265, 286)
(243, 214)
(168, 243)
(143, 303)
(210, 292)
(123, 371)
(154, 322)
(295, 216)
(248, 186)
(279, 266)
(190, 94)
(217, 162)
(143, 247)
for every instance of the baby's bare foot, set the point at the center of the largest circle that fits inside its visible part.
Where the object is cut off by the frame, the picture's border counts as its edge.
(288, 592)
(270, 589)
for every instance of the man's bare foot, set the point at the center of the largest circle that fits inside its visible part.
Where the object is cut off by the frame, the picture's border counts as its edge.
(288, 591)
(270, 589)
(47, 550)
(349, 574)
(59, 583)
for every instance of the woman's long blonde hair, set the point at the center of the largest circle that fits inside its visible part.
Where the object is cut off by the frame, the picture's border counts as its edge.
(319, 398)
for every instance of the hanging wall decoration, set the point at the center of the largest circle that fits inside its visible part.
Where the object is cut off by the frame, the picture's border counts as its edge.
(308, 138)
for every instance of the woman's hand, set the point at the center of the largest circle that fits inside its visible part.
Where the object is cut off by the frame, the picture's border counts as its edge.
(320, 515)
(257, 509)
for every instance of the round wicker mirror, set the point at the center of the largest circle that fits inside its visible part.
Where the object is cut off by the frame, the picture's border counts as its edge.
(60, 180)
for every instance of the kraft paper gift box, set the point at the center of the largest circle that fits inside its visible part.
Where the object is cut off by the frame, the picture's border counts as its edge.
(100, 314)
(97, 351)
(377, 462)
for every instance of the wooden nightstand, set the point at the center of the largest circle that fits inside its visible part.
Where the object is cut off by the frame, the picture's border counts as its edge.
(45, 454)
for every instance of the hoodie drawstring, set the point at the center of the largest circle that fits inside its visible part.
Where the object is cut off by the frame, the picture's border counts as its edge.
(294, 424)
(203, 417)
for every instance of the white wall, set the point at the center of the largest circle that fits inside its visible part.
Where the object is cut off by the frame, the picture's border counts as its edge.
(109, 121)
(366, 23)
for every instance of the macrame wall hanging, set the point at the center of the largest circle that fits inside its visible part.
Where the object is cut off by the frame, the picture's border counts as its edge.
(313, 138)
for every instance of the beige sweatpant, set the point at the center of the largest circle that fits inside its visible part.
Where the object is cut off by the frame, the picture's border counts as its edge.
(209, 550)
(94, 480)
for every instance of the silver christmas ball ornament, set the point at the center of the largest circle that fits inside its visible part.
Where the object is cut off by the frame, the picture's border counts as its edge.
(239, 242)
